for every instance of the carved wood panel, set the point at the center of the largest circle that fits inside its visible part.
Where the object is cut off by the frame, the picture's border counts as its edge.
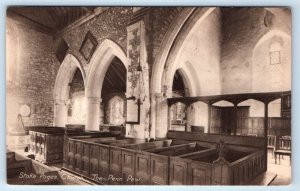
(104, 163)
(178, 171)
(71, 154)
(128, 167)
(199, 175)
(77, 156)
(94, 162)
(159, 169)
(115, 165)
(142, 168)
(85, 160)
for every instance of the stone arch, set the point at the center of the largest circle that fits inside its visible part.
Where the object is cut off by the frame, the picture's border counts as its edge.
(170, 46)
(186, 81)
(61, 88)
(64, 76)
(171, 43)
(99, 65)
(12, 50)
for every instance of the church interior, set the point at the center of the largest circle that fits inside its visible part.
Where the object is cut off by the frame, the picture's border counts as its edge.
(148, 95)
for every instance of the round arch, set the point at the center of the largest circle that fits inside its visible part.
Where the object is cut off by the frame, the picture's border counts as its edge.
(61, 88)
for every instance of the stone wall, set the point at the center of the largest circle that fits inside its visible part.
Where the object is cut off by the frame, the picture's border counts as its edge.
(241, 30)
(111, 24)
(35, 68)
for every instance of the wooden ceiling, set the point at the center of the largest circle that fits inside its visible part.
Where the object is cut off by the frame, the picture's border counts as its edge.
(54, 20)
(115, 78)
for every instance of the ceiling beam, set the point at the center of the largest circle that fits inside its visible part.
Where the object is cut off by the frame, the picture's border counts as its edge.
(29, 22)
(80, 21)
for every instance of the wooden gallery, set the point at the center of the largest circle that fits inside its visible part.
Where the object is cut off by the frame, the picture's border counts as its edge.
(148, 95)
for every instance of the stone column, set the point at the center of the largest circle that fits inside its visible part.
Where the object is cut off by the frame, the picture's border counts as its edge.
(161, 116)
(153, 117)
(61, 113)
(92, 113)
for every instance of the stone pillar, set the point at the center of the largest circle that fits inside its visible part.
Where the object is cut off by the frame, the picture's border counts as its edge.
(138, 72)
(189, 117)
(153, 117)
(161, 116)
(92, 113)
(61, 114)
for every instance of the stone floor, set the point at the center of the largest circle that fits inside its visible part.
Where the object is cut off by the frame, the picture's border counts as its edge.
(283, 170)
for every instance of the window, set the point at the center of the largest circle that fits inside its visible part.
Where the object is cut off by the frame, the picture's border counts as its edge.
(275, 57)
(275, 53)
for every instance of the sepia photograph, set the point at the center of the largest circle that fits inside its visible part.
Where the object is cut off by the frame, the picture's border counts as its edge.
(148, 95)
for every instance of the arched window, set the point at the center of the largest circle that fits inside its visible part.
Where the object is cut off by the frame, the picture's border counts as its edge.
(275, 53)
(116, 111)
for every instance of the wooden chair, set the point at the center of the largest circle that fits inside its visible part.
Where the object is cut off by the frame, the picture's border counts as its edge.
(272, 143)
(284, 149)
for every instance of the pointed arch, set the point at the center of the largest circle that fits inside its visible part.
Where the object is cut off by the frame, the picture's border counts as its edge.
(171, 43)
(64, 76)
(61, 88)
(99, 64)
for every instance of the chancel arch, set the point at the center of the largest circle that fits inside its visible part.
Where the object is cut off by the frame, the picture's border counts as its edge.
(63, 80)
(99, 65)
(189, 52)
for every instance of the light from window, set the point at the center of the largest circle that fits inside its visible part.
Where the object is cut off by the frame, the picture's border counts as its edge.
(275, 57)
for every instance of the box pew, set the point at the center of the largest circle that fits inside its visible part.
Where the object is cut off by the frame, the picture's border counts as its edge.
(186, 171)
(203, 168)
(79, 152)
(160, 160)
(115, 159)
(244, 159)
(136, 160)
(98, 159)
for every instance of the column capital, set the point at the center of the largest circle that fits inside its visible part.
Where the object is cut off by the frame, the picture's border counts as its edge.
(94, 99)
(60, 102)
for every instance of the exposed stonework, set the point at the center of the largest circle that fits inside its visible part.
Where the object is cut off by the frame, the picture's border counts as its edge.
(111, 24)
(37, 69)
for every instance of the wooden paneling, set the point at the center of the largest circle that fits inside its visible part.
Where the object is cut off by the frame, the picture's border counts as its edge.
(85, 160)
(104, 163)
(70, 155)
(77, 156)
(115, 165)
(223, 119)
(159, 169)
(94, 162)
(128, 166)
(214, 138)
(247, 168)
(178, 171)
(279, 126)
(199, 173)
(143, 168)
